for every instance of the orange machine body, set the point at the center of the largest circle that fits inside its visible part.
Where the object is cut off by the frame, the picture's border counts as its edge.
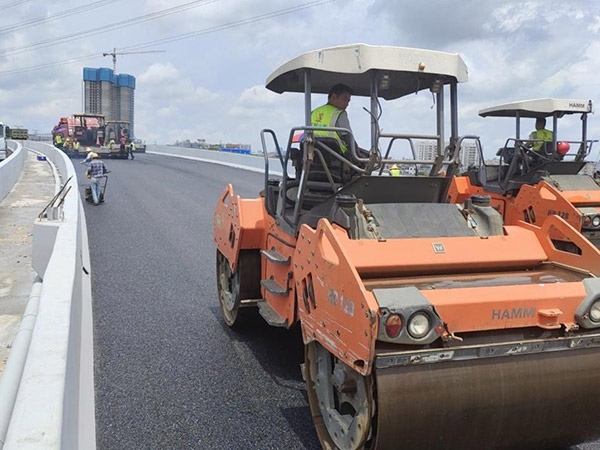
(331, 282)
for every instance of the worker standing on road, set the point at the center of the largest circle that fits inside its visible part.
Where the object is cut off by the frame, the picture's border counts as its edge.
(123, 143)
(540, 134)
(111, 144)
(394, 170)
(130, 150)
(76, 145)
(58, 142)
(97, 171)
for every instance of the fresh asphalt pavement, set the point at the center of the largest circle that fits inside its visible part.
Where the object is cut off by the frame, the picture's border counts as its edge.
(169, 373)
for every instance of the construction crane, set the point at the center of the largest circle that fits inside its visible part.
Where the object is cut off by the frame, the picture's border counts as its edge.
(114, 54)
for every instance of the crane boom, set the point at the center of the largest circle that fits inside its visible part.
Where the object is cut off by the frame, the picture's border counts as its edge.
(114, 54)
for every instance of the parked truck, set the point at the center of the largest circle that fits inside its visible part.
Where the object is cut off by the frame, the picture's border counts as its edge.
(19, 133)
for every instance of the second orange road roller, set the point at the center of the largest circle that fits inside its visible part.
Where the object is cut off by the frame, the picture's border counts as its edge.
(534, 179)
(426, 324)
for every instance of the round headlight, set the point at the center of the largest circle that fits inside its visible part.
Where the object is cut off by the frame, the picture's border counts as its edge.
(595, 312)
(419, 325)
(596, 221)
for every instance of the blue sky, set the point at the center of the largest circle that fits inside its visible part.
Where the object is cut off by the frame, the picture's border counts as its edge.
(211, 86)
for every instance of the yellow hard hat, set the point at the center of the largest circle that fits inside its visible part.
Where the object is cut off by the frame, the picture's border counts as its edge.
(94, 155)
(88, 149)
(394, 166)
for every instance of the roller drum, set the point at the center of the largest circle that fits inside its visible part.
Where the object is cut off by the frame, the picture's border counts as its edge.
(536, 401)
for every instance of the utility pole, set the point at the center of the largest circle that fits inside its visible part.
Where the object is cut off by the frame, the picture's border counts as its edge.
(114, 54)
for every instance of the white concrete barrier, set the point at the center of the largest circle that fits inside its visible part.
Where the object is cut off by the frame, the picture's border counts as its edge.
(54, 408)
(253, 163)
(11, 168)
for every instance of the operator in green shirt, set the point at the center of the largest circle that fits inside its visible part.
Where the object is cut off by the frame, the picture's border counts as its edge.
(540, 134)
(333, 114)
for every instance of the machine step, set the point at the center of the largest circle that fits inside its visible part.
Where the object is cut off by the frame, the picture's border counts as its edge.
(270, 315)
(275, 257)
(274, 288)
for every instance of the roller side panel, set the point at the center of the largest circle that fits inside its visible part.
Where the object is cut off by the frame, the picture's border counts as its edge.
(334, 307)
(534, 204)
(239, 224)
(587, 257)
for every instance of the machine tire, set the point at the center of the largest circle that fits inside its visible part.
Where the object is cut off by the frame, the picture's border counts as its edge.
(242, 284)
(328, 379)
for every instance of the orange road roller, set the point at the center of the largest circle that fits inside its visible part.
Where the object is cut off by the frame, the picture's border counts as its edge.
(534, 179)
(426, 324)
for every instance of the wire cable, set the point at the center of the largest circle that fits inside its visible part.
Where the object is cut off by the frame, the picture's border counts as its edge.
(179, 37)
(229, 25)
(98, 30)
(10, 5)
(59, 15)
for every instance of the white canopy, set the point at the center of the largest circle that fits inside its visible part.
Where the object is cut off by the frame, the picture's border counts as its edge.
(409, 70)
(540, 107)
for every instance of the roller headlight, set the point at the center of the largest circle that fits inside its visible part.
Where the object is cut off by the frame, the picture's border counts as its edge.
(419, 325)
(596, 221)
(595, 312)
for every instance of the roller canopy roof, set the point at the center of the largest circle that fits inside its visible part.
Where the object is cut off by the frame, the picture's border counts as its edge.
(540, 107)
(353, 64)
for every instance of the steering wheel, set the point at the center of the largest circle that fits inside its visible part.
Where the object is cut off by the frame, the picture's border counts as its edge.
(532, 157)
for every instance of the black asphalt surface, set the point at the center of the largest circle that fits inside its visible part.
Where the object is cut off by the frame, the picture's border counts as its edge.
(169, 373)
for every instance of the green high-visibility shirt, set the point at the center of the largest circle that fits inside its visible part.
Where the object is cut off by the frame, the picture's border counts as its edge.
(327, 116)
(543, 134)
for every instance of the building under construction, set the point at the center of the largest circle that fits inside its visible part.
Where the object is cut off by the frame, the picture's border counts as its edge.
(111, 94)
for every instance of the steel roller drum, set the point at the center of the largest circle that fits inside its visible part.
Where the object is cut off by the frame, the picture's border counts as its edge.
(535, 401)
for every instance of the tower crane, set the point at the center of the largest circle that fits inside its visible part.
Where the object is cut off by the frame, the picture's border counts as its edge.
(114, 54)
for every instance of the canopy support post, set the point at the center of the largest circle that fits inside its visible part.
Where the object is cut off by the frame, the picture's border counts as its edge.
(307, 92)
(440, 120)
(374, 110)
(554, 130)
